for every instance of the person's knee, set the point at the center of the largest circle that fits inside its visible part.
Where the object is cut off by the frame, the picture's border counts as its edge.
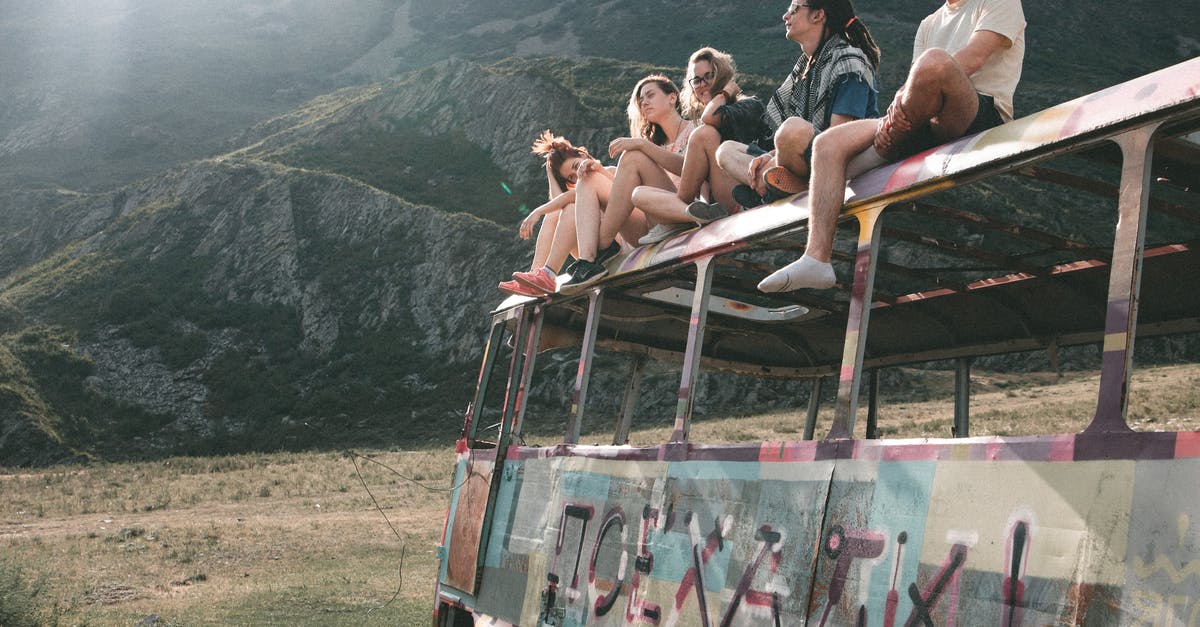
(640, 195)
(633, 159)
(827, 146)
(728, 153)
(705, 135)
(794, 135)
(933, 66)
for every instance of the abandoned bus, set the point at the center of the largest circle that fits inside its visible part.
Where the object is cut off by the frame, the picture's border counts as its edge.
(1076, 225)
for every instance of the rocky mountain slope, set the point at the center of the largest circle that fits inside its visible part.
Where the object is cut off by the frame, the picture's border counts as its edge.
(322, 277)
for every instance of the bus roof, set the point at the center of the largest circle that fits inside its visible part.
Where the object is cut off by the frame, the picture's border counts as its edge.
(998, 242)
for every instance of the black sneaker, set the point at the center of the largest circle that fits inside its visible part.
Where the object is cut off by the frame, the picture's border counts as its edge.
(609, 252)
(705, 212)
(747, 197)
(586, 274)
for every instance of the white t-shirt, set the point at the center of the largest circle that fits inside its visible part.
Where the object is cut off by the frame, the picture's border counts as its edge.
(951, 27)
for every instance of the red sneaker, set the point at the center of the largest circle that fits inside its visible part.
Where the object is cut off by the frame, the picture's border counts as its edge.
(540, 280)
(512, 287)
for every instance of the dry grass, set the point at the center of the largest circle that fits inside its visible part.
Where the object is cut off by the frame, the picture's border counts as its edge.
(292, 539)
(248, 540)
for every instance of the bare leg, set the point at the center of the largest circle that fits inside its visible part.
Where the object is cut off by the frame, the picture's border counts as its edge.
(545, 239)
(700, 164)
(937, 94)
(832, 150)
(661, 206)
(733, 159)
(591, 196)
(791, 140)
(564, 239)
(634, 169)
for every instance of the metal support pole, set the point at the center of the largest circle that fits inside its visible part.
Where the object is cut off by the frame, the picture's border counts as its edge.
(1124, 281)
(512, 393)
(530, 357)
(962, 397)
(814, 405)
(850, 378)
(873, 404)
(691, 357)
(629, 402)
(586, 354)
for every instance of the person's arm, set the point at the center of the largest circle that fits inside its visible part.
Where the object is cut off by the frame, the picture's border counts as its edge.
(555, 204)
(980, 47)
(670, 161)
(552, 182)
(727, 95)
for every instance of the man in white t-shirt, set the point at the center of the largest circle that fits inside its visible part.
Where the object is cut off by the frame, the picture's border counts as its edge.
(966, 64)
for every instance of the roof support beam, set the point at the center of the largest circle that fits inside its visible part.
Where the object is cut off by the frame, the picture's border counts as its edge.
(1124, 282)
(705, 268)
(857, 321)
(586, 355)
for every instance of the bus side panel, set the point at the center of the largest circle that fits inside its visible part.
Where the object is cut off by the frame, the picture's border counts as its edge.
(941, 533)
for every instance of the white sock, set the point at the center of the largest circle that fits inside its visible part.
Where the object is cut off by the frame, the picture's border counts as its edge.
(803, 273)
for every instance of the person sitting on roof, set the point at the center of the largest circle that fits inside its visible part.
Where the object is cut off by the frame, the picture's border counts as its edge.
(604, 200)
(711, 95)
(556, 237)
(832, 83)
(967, 62)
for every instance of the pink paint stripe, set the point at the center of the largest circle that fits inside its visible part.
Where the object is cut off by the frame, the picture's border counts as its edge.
(1187, 444)
(803, 451)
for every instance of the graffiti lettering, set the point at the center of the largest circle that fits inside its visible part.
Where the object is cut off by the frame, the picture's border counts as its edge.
(845, 546)
(639, 611)
(550, 594)
(605, 602)
(694, 577)
(769, 542)
(1013, 590)
(924, 601)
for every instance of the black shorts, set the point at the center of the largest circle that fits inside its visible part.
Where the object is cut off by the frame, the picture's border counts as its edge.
(986, 117)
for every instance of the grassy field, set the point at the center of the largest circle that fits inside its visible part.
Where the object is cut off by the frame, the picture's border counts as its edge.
(294, 539)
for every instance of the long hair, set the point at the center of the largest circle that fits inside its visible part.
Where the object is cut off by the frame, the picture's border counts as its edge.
(840, 19)
(556, 150)
(639, 126)
(723, 70)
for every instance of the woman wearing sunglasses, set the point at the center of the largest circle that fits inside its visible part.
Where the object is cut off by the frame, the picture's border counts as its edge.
(712, 96)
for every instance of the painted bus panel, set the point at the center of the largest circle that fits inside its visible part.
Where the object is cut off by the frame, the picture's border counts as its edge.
(1063, 530)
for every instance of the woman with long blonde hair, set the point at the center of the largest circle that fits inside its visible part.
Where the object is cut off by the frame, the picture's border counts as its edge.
(652, 155)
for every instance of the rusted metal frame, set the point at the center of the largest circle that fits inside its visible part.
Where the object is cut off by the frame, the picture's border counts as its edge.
(962, 397)
(502, 442)
(998, 226)
(1124, 283)
(490, 350)
(956, 249)
(587, 353)
(854, 349)
(720, 365)
(692, 351)
(1173, 327)
(814, 406)
(512, 393)
(873, 404)
(1107, 190)
(530, 358)
(630, 400)
(916, 274)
